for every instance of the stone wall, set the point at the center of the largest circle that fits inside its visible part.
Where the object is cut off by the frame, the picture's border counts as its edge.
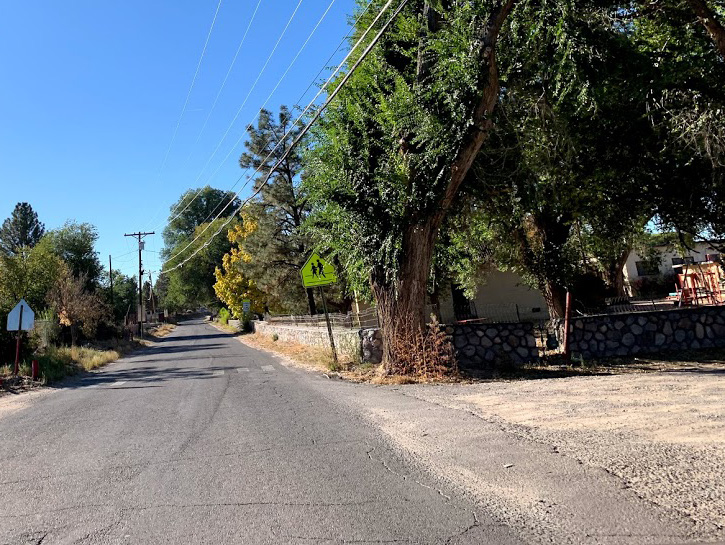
(372, 345)
(347, 341)
(489, 345)
(642, 332)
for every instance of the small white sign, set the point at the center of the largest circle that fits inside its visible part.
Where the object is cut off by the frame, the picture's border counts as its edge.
(26, 323)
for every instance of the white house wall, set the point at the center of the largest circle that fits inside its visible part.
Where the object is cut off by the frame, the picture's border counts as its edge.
(503, 297)
(667, 253)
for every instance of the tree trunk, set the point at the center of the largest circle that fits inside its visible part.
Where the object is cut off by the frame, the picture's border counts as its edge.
(555, 297)
(311, 301)
(73, 334)
(548, 233)
(401, 301)
(708, 19)
(615, 274)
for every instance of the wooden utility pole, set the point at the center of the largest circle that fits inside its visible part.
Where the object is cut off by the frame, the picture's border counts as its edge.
(110, 278)
(139, 236)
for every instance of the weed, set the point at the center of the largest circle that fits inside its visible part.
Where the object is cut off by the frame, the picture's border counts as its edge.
(275, 337)
(426, 353)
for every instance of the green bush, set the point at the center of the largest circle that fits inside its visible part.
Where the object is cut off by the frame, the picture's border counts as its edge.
(224, 316)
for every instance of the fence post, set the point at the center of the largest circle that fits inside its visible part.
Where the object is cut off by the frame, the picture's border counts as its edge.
(567, 316)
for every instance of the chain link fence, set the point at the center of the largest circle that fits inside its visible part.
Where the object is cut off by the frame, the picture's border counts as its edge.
(352, 320)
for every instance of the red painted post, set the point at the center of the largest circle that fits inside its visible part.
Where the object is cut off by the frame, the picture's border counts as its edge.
(17, 355)
(17, 344)
(567, 316)
(35, 370)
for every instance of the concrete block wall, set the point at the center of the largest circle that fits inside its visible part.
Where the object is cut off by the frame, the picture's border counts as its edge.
(347, 341)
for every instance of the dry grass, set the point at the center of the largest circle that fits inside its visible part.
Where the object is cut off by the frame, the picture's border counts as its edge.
(90, 358)
(57, 362)
(162, 330)
(309, 356)
(320, 359)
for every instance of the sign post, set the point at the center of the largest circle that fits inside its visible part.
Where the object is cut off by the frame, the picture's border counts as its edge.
(318, 273)
(21, 318)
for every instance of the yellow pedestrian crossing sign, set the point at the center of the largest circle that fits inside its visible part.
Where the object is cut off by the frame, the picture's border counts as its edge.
(317, 272)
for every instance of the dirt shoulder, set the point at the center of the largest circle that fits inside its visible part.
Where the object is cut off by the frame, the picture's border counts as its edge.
(662, 433)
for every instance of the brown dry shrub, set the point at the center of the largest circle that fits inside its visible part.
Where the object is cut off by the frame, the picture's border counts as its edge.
(426, 353)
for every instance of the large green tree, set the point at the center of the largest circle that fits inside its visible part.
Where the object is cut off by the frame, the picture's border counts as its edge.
(192, 285)
(21, 229)
(394, 148)
(75, 244)
(195, 207)
(192, 227)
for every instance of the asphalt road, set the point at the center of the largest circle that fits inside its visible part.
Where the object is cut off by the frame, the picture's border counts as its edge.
(201, 439)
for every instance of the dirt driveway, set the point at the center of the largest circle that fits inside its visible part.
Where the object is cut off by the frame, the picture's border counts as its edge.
(662, 433)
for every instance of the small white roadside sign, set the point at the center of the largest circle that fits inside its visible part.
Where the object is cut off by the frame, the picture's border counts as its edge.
(21, 317)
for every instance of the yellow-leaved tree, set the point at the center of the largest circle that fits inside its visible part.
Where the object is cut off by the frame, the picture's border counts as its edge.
(232, 285)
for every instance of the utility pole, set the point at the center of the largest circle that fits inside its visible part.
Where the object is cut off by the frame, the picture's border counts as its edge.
(110, 277)
(139, 236)
(151, 295)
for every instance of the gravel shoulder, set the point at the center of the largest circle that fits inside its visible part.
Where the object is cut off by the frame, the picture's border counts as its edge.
(662, 434)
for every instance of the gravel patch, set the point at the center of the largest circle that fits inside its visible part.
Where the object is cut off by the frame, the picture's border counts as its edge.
(662, 433)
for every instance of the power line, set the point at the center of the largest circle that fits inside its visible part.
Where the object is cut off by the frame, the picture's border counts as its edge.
(191, 87)
(239, 111)
(305, 130)
(322, 89)
(296, 105)
(311, 103)
(247, 127)
(289, 67)
(229, 71)
(216, 98)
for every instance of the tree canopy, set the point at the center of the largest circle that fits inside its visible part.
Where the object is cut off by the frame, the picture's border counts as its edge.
(21, 229)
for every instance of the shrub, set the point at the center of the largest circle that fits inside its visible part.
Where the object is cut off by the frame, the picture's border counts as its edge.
(275, 337)
(223, 316)
(428, 353)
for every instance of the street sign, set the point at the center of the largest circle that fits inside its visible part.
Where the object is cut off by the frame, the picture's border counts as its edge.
(246, 305)
(21, 317)
(317, 272)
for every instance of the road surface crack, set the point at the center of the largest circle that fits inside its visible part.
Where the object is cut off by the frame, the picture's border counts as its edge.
(406, 477)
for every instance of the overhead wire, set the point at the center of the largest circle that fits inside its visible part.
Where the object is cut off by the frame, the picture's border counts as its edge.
(268, 140)
(296, 105)
(301, 134)
(244, 103)
(249, 124)
(229, 71)
(216, 100)
(191, 87)
(311, 103)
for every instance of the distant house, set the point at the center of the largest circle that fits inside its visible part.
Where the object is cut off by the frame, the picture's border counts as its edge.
(662, 263)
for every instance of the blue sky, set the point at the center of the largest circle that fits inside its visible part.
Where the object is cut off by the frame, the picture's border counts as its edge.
(92, 91)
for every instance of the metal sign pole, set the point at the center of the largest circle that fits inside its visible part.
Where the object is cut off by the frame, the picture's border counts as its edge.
(329, 327)
(17, 345)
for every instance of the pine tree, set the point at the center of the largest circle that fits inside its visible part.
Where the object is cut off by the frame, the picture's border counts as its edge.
(277, 245)
(22, 228)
